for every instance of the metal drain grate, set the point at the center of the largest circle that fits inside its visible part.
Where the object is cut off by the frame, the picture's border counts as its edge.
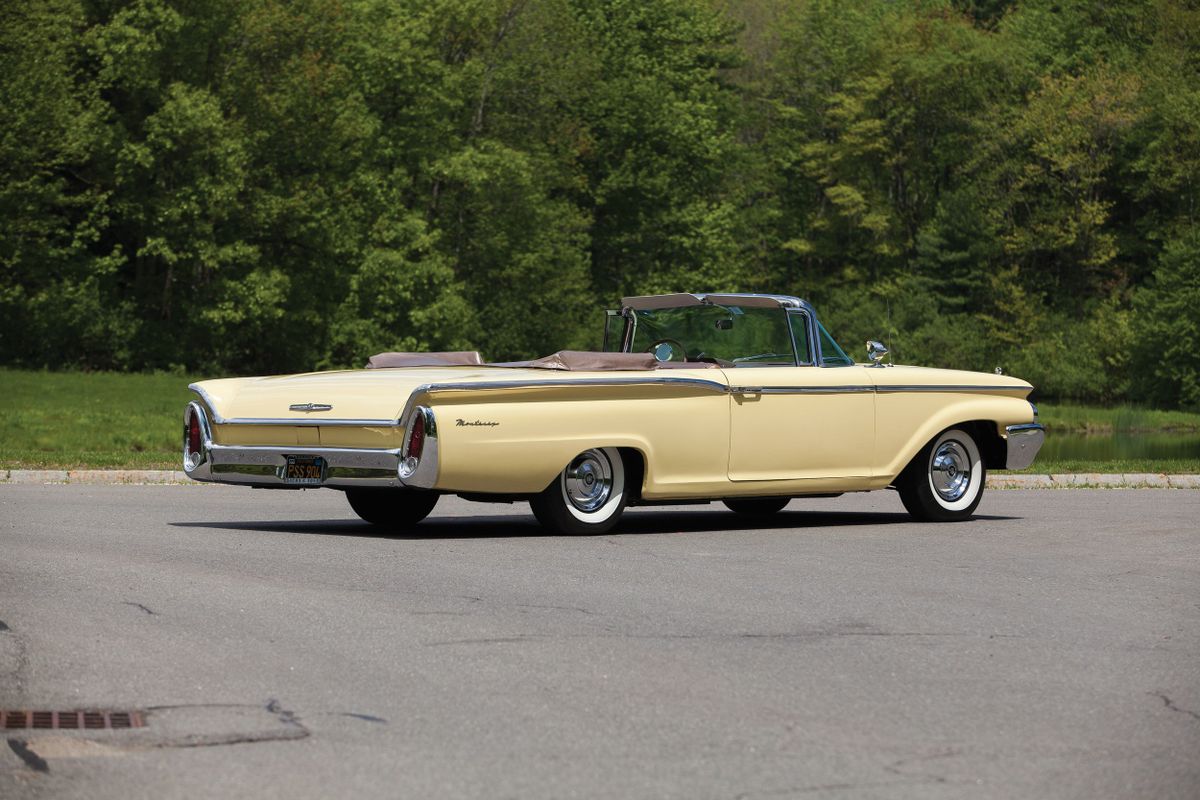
(70, 720)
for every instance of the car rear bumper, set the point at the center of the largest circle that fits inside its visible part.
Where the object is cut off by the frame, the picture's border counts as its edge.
(1024, 442)
(266, 466)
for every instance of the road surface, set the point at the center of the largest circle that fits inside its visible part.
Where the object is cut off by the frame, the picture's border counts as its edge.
(1048, 648)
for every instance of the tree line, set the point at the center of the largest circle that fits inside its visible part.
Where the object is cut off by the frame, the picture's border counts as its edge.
(275, 185)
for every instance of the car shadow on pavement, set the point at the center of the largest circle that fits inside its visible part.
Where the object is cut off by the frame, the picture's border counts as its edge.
(636, 522)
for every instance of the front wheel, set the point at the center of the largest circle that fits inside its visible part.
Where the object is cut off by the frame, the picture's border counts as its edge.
(944, 483)
(395, 509)
(586, 497)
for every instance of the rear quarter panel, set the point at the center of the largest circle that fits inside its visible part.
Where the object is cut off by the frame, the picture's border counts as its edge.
(516, 440)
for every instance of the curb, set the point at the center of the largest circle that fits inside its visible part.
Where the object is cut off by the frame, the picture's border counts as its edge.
(95, 476)
(1127, 480)
(1130, 480)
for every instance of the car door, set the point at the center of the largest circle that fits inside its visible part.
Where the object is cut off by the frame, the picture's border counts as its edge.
(791, 422)
(800, 422)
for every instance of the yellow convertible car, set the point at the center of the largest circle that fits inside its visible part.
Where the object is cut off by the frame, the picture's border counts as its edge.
(742, 398)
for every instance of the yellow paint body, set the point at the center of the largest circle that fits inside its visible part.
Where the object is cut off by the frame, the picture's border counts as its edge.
(746, 431)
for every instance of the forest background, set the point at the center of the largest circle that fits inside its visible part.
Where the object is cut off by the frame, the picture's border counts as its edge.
(250, 186)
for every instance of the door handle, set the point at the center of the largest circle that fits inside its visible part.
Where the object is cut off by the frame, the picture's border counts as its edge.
(746, 389)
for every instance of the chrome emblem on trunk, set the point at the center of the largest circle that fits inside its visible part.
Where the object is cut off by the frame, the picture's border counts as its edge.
(310, 407)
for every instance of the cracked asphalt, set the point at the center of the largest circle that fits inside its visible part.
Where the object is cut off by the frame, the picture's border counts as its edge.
(1048, 649)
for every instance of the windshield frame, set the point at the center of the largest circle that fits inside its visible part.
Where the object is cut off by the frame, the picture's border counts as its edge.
(792, 306)
(632, 317)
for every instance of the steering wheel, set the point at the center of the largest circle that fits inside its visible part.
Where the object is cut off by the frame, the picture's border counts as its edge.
(673, 343)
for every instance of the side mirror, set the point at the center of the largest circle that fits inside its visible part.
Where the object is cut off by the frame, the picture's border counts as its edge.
(876, 351)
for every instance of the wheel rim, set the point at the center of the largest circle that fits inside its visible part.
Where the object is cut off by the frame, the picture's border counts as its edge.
(950, 471)
(588, 481)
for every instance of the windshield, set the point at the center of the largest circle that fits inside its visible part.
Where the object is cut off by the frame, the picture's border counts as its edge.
(730, 335)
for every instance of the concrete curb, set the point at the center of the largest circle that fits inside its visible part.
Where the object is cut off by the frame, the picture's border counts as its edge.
(94, 476)
(1132, 480)
(1128, 480)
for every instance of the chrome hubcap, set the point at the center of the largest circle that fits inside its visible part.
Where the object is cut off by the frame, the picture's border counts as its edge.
(950, 471)
(588, 481)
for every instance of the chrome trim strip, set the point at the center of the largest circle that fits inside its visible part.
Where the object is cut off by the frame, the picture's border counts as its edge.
(311, 423)
(684, 299)
(950, 388)
(816, 389)
(698, 383)
(865, 388)
(230, 453)
(216, 418)
(1024, 442)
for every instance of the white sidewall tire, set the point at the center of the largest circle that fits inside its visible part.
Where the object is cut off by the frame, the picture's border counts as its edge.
(977, 475)
(616, 495)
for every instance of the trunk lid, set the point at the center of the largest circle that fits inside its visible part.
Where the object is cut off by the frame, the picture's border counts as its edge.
(378, 394)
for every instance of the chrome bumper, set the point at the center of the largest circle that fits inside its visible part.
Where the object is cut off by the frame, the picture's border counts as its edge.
(345, 467)
(1024, 442)
(264, 466)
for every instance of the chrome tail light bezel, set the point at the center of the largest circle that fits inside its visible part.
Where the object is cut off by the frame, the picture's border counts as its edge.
(419, 469)
(194, 457)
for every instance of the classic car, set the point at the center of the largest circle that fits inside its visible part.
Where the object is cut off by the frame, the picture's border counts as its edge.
(740, 398)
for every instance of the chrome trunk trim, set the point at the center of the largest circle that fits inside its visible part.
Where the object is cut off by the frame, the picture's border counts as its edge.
(217, 419)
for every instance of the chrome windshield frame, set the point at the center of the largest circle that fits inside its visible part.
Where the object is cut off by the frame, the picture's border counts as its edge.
(788, 304)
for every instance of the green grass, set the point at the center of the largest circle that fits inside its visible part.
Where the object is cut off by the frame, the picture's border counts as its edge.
(1169, 466)
(69, 420)
(1130, 419)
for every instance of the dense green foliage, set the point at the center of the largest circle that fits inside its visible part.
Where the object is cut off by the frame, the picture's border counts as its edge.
(273, 185)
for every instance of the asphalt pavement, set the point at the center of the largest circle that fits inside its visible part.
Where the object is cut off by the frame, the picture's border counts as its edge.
(276, 648)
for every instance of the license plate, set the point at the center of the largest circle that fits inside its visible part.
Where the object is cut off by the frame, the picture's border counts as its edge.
(304, 470)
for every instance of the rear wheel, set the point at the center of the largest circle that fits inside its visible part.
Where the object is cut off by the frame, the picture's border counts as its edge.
(944, 483)
(586, 497)
(395, 509)
(757, 506)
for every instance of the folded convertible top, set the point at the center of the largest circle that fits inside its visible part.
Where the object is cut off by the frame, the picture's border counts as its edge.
(565, 360)
(461, 358)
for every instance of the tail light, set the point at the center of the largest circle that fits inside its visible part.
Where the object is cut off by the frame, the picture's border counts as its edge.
(193, 438)
(416, 439)
(422, 433)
